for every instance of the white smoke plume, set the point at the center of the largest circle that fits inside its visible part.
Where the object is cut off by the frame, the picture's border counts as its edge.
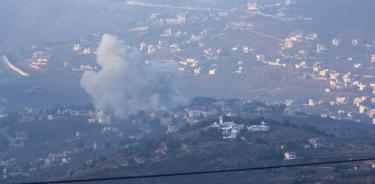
(125, 85)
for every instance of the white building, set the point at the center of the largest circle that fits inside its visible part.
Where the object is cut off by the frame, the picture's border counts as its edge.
(76, 47)
(230, 129)
(166, 33)
(290, 155)
(340, 100)
(336, 42)
(212, 71)
(151, 49)
(320, 48)
(252, 6)
(314, 142)
(178, 20)
(311, 103)
(354, 42)
(258, 128)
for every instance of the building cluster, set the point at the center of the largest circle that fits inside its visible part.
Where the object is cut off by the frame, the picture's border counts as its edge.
(231, 130)
(305, 52)
(39, 60)
(30, 114)
(77, 48)
(99, 117)
(349, 92)
(10, 169)
(55, 159)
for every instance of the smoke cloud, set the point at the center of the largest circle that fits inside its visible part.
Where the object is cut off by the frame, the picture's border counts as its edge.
(125, 85)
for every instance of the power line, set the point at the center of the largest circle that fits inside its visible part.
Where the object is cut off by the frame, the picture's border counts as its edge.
(201, 172)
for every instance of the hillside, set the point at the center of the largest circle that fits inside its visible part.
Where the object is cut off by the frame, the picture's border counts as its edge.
(202, 147)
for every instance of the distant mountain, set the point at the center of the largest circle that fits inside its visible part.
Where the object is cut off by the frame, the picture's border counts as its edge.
(25, 23)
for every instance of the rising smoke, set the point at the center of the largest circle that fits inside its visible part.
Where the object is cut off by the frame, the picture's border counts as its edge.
(125, 85)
